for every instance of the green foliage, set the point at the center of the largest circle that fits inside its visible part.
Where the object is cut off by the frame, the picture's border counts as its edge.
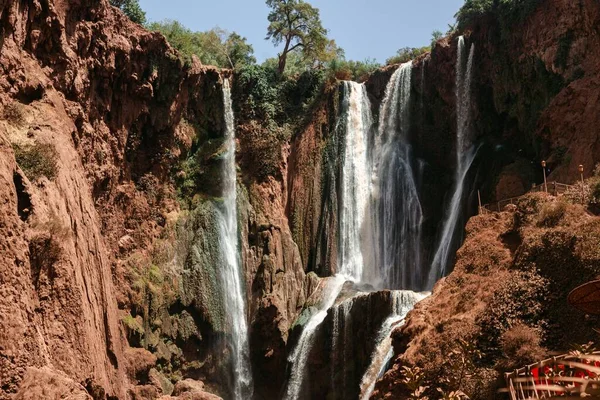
(38, 160)
(414, 379)
(352, 70)
(472, 10)
(297, 25)
(214, 47)
(132, 9)
(508, 12)
(435, 36)
(406, 54)
(274, 106)
(552, 213)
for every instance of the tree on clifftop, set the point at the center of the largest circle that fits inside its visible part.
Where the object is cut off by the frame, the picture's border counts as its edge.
(132, 9)
(297, 25)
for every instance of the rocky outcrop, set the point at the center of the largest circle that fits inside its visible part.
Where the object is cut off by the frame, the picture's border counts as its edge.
(344, 343)
(96, 112)
(505, 304)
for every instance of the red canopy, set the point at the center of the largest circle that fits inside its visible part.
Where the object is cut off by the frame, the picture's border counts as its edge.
(586, 298)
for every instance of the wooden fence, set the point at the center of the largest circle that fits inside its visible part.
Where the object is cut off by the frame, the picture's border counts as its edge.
(562, 377)
(553, 188)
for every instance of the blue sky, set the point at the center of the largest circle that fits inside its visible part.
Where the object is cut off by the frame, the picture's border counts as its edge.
(363, 28)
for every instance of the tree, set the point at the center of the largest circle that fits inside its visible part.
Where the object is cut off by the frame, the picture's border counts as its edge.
(238, 51)
(297, 25)
(214, 47)
(132, 9)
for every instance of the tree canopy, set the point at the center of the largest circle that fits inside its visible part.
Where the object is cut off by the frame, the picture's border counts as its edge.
(132, 9)
(214, 47)
(297, 25)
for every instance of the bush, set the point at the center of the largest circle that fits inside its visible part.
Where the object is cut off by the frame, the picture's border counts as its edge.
(214, 47)
(508, 12)
(132, 9)
(38, 160)
(14, 114)
(272, 108)
(352, 70)
(406, 54)
(551, 213)
(521, 345)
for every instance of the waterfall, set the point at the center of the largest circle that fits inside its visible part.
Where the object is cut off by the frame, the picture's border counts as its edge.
(299, 356)
(465, 154)
(231, 281)
(354, 179)
(356, 122)
(402, 303)
(396, 212)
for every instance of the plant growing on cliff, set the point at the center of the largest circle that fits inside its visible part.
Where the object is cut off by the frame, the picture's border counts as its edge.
(216, 47)
(14, 114)
(38, 160)
(297, 25)
(508, 12)
(406, 54)
(132, 9)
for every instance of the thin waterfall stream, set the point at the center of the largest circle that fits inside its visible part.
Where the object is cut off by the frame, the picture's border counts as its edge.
(402, 303)
(465, 155)
(231, 272)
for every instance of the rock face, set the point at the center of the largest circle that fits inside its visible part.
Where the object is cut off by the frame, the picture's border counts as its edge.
(505, 304)
(109, 148)
(96, 111)
(344, 343)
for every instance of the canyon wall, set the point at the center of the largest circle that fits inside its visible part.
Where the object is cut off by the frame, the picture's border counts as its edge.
(110, 148)
(535, 92)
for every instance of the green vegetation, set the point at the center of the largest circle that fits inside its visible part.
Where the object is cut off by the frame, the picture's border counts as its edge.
(297, 25)
(274, 106)
(508, 12)
(14, 114)
(214, 47)
(406, 54)
(352, 70)
(38, 160)
(132, 9)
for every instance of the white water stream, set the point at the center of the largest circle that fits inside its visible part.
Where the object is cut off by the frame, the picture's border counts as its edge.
(231, 272)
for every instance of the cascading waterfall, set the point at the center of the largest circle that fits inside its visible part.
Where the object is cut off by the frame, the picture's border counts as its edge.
(465, 154)
(230, 276)
(402, 303)
(300, 354)
(354, 173)
(396, 214)
(354, 180)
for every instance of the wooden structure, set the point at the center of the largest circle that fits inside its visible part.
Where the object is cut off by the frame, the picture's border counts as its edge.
(563, 377)
(553, 188)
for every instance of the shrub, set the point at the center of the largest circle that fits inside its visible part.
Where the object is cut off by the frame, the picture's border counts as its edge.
(521, 345)
(551, 213)
(406, 54)
(272, 108)
(14, 114)
(214, 47)
(38, 160)
(521, 298)
(352, 70)
(508, 12)
(132, 9)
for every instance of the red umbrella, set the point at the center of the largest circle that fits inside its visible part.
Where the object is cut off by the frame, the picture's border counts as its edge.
(586, 298)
